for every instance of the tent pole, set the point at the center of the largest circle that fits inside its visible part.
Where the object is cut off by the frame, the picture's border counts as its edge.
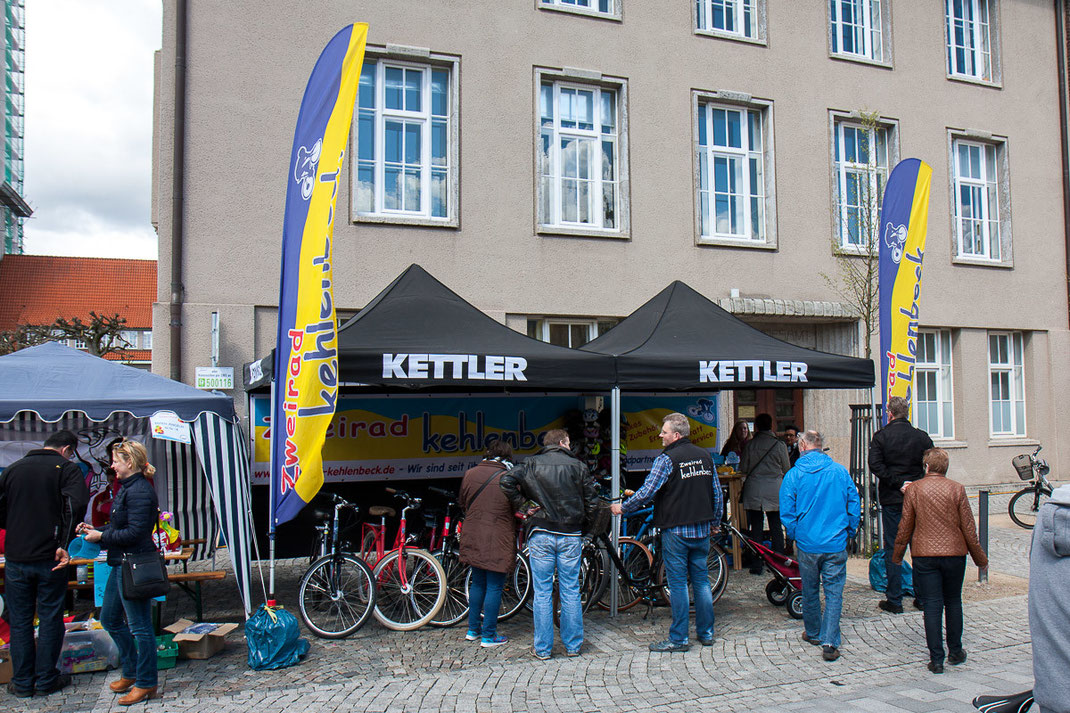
(271, 503)
(869, 477)
(614, 469)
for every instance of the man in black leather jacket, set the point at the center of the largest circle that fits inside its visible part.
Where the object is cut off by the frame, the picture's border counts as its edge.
(567, 498)
(895, 457)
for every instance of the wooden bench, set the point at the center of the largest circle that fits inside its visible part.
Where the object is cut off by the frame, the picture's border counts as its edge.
(188, 582)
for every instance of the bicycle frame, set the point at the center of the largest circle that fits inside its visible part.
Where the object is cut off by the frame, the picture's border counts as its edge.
(400, 543)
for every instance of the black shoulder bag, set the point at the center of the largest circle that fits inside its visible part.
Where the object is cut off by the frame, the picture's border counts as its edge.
(145, 574)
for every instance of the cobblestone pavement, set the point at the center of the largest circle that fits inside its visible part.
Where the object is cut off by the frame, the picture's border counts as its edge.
(757, 662)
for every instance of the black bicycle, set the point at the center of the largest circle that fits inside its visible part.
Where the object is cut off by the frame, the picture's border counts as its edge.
(1027, 501)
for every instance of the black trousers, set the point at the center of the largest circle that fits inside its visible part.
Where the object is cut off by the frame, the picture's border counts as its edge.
(938, 583)
(776, 531)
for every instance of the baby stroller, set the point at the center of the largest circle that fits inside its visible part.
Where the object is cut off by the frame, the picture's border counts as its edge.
(785, 588)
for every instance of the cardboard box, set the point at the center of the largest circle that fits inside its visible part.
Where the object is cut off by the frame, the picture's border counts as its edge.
(199, 641)
(6, 667)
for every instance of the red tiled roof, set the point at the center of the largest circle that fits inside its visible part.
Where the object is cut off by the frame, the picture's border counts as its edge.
(130, 355)
(37, 289)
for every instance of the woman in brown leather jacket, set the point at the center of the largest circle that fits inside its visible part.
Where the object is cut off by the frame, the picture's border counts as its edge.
(938, 524)
(488, 541)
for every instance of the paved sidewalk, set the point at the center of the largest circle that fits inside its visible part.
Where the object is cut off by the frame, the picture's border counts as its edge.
(757, 663)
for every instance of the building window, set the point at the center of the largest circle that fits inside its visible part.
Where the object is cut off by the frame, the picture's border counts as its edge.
(581, 160)
(80, 344)
(406, 143)
(146, 339)
(933, 411)
(729, 18)
(1006, 390)
(568, 332)
(969, 39)
(861, 156)
(981, 203)
(856, 29)
(732, 159)
(602, 8)
(129, 339)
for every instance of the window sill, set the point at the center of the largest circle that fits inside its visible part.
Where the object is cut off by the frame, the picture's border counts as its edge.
(717, 34)
(997, 441)
(735, 243)
(567, 232)
(976, 81)
(841, 251)
(857, 59)
(949, 443)
(386, 219)
(611, 16)
(980, 262)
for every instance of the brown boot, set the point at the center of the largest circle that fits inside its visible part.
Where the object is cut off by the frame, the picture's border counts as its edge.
(137, 695)
(122, 685)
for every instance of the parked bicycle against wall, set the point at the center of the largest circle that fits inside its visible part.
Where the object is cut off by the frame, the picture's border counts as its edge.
(1027, 501)
(336, 594)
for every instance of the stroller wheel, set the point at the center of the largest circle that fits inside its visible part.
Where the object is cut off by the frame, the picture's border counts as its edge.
(795, 605)
(777, 593)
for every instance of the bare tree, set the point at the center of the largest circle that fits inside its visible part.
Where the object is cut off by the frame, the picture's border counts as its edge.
(857, 215)
(102, 334)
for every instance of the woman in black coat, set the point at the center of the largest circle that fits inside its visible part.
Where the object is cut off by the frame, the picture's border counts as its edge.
(134, 515)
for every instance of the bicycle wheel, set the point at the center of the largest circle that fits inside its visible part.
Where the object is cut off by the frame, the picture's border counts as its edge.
(594, 574)
(455, 608)
(404, 605)
(517, 590)
(336, 595)
(367, 548)
(1024, 505)
(638, 562)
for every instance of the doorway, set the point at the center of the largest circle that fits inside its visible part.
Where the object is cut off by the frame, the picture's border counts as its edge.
(784, 405)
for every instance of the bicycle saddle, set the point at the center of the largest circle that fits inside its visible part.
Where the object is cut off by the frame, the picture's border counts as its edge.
(381, 511)
(1017, 703)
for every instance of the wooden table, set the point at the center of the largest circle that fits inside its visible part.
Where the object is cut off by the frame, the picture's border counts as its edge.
(734, 481)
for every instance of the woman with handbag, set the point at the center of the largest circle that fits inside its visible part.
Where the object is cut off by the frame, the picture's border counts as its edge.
(128, 537)
(488, 541)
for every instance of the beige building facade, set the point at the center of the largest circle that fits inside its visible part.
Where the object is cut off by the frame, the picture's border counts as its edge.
(558, 162)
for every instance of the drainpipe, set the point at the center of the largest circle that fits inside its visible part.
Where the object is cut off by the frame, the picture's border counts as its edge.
(1060, 53)
(178, 177)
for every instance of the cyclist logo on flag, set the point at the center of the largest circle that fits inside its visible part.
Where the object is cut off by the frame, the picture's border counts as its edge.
(305, 167)
(895, 237)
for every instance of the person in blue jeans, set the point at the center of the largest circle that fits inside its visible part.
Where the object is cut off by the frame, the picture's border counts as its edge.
(820, 509)
(687, 507)
(565, 498)
(134, 515)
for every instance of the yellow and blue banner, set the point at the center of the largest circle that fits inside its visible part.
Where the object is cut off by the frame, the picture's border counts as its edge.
(903, 222)
(306, 354)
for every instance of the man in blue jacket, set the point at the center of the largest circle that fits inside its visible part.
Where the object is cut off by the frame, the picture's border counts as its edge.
(819, 508)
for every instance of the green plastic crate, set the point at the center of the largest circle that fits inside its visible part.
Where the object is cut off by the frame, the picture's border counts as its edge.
(166, 652)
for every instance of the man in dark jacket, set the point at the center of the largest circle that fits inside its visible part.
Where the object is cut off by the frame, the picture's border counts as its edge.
(566, 497)
(42, 498)
(687, 506)
(895, 457)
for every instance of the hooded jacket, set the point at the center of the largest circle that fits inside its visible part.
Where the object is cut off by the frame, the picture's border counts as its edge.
(1049, 603)
(819, 504)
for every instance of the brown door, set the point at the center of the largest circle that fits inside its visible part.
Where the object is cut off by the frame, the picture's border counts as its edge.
(784, 405)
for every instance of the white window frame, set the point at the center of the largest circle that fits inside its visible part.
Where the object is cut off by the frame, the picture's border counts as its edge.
(130, 338)
(703, 14)
(539, 327)
(979, 24)
(877, 174)
(146, 339)
(79, 344)
(554, 224)
(425, 62)
(591, 8)
(1013, 368)
(995, 240)
(941, 368)
(871, 29)
(703, 106)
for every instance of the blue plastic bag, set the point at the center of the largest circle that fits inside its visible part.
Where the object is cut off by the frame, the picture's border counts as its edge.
(273, 638)
(878, 575)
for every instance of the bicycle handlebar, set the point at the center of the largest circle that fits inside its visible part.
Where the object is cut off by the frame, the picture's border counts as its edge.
(442, 491)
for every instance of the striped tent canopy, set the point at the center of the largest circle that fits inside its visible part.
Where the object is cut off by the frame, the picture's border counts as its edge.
(205, 484)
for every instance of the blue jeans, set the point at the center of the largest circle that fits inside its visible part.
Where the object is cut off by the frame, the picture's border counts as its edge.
(828, 570)
(484, 601)
(685, 558)
(548, 552)
(129, 621)
(29, 586)
(890, 517)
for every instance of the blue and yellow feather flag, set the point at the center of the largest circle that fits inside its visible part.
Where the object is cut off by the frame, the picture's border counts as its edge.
(903, 222)
(306, 355)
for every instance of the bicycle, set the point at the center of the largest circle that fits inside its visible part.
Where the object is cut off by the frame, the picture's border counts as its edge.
(1026, 502)
(336, 593)
(410, 582)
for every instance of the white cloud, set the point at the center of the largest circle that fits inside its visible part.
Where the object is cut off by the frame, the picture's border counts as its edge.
(88, 153)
